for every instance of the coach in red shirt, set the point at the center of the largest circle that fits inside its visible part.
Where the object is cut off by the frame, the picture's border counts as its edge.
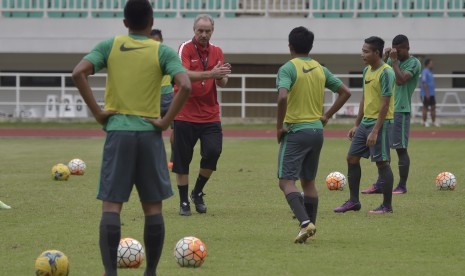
(199, 119)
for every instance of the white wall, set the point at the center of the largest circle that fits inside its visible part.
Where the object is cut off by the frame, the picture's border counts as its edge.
(243, 35)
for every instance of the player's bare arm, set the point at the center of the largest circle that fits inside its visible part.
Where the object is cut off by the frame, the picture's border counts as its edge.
(282, 108)
(80, 74)
(373, 136)
(358, 120)
(183, 83)
(344, 95)
(402, 76)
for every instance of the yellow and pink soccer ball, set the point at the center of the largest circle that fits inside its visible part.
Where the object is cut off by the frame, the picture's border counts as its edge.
(60, 172)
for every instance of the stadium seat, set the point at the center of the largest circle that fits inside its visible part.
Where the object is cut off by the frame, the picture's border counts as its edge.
(332, 8)
(109, 9)
(28, 5)
(229, 5)
(194, 7)
(456, 8)
(161, 8)
(377, 8)
(63, 8)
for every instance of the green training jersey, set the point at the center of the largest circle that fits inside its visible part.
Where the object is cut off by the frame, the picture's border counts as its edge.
(136, 66)
(403, 96)
(377, 83)
(306, 80)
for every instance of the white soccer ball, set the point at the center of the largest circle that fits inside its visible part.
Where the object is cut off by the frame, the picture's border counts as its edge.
(131, 254)
(77, 166)
(190, 252)
(446, 181)
(336, 181)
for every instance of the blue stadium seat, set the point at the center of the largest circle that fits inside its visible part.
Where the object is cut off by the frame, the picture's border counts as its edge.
(229, 5)
(161, 8)
(333, 8)
(110, 9)
(381, 8)
(457, 5)
(24, 4)
(67, 4)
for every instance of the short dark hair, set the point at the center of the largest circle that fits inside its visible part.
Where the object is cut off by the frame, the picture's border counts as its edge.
(301, 40)
(376, 43)
(427, 61)
(138, 14)
(156, 32)
(400, 39)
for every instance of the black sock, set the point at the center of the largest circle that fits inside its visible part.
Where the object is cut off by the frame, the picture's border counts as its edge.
(404, 166)
(183, 193)
(200, 183)
(154, 236)
(387, 178)
(297, 206)
(311, 207)
(353, 175)
(110, 235)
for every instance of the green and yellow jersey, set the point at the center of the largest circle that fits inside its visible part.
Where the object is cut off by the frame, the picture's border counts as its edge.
(166, 86)
(403, 97)
(306, 80)
(377, 83)
(136, 66)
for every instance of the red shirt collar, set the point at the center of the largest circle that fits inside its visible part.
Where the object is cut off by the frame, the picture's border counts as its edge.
(201, 48)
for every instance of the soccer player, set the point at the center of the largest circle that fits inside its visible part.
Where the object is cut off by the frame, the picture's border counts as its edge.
(4, 206)
(428, 93)
(301, 84)
(166, 91)
(199, 119)
(134, 152)
(370, 135)
(407, 70)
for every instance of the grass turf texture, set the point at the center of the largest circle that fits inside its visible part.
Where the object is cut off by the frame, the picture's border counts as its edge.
(248, 228)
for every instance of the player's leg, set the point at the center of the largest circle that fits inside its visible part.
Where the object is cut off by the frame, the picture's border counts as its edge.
(185, 138)
(115, 188)
(153, 185)
(211, 146)
(433, 111)
(292, 152)
(399, 142)
(380, 153)
(425, 112)
(309, 170)
(357, 150)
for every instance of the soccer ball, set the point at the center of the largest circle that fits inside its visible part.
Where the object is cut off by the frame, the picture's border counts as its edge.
(52, 263)
(446, 181)
(77, 166)
(190, 252)
(130, 253)
(60, 172)
(336, 181)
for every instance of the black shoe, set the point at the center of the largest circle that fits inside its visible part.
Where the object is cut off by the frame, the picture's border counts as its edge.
(197, 199)
(185, 209)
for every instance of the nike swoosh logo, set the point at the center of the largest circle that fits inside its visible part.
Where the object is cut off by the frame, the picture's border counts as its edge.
(307, 70)
(376, 156)
(367, 82)
(396, 144)
(125, 49)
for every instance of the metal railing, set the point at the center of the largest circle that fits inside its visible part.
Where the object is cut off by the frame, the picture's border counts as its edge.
(234, 8)
(247, 96)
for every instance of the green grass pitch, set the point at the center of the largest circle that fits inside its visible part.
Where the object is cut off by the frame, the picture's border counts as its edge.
(248, 229)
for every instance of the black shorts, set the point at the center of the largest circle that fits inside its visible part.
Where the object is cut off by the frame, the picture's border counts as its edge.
(186, 135)
(134, 158)
(431, 102)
